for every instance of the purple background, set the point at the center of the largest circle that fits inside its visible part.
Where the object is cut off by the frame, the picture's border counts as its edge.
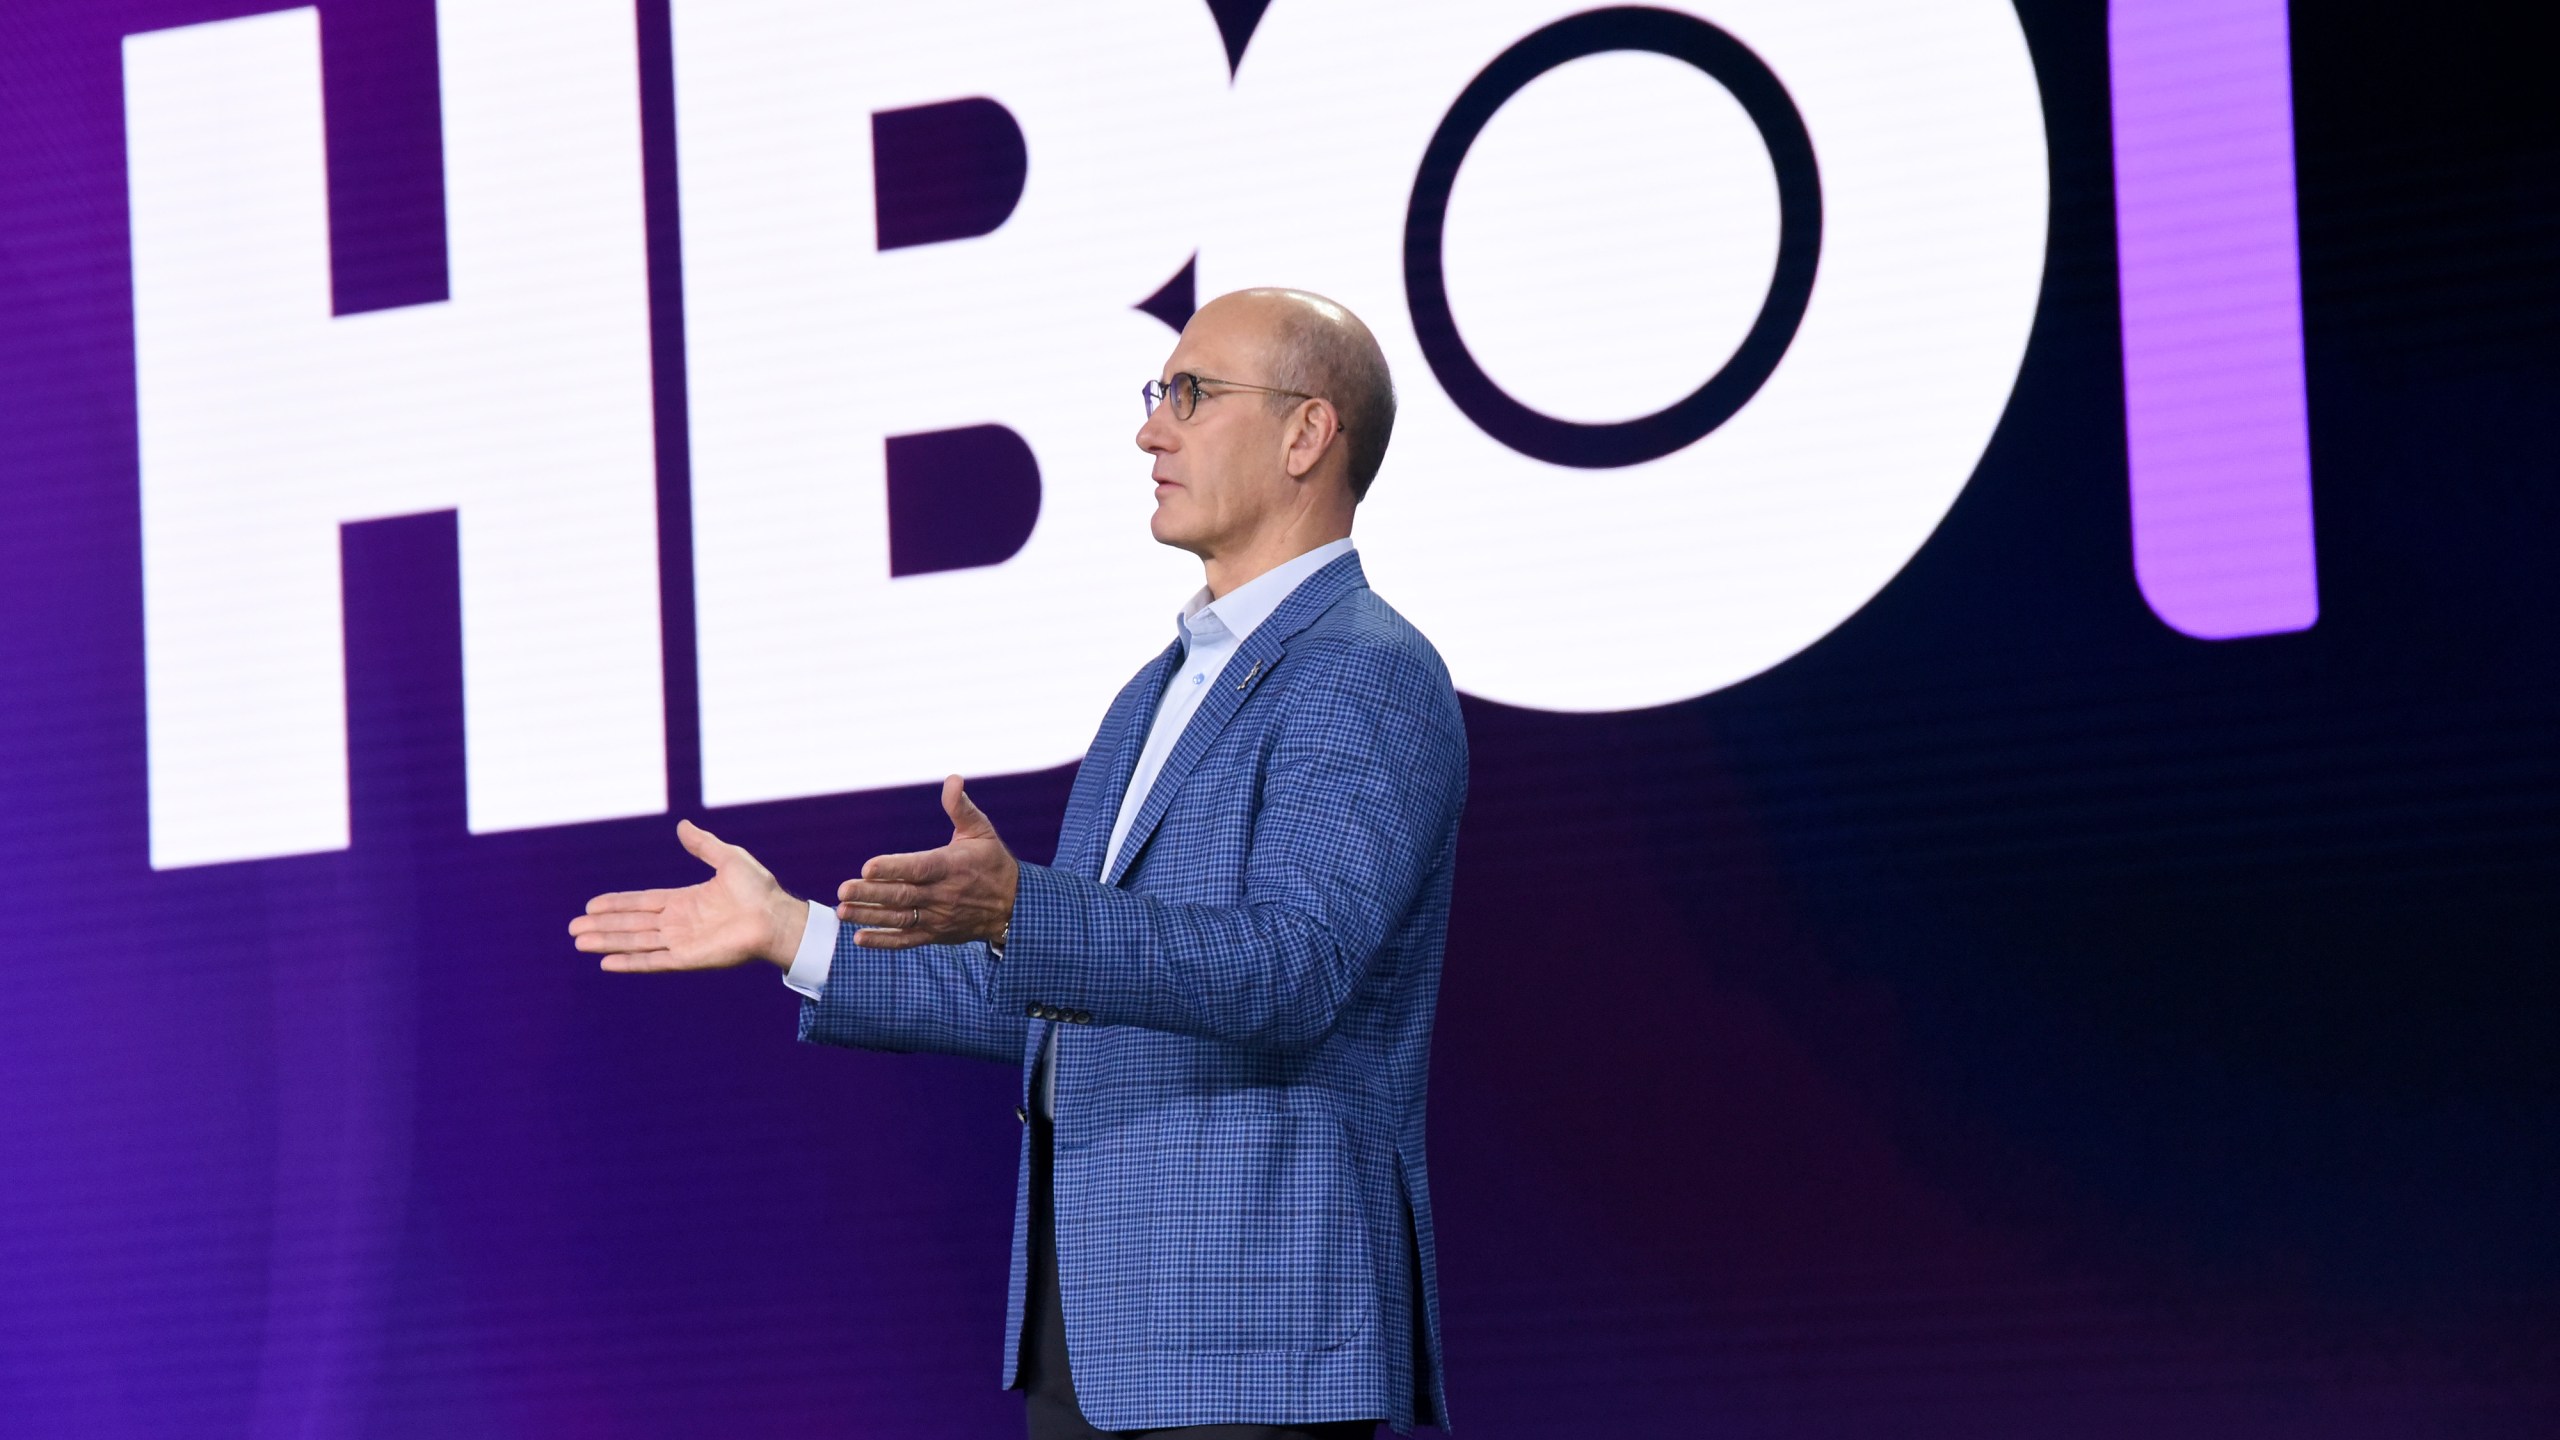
(2009, 1018)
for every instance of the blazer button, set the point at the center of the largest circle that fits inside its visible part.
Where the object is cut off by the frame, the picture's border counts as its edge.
(1084, 1017)
(1033, 1011)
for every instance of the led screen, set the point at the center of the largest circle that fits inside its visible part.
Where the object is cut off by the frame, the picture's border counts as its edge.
(1996, 556)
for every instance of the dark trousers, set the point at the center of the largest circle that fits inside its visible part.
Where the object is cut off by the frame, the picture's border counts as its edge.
(1049, 1388)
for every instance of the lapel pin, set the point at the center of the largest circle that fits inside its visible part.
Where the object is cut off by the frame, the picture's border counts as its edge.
(1249, 674)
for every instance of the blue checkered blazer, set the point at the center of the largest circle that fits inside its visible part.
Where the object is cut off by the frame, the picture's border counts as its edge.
(1244, 1016)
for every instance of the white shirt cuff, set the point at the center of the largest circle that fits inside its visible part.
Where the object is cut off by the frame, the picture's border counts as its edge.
(816, 955)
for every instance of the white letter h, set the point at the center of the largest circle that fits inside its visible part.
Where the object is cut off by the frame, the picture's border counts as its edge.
(523, 402)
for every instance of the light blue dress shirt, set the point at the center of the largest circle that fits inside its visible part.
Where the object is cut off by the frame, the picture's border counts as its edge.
(1210, 630)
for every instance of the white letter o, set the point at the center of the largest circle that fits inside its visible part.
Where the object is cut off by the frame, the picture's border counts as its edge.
(1593, 589)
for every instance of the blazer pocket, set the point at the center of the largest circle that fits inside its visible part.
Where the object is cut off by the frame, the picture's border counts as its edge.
(1257, 1240)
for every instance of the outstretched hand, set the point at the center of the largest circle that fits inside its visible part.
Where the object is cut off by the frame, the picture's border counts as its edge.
(741, 913)
(961, 892)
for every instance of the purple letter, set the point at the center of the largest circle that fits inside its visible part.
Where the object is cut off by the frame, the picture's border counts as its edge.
(2211, 284)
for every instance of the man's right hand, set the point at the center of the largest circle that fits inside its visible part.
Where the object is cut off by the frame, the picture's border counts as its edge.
(741, 913)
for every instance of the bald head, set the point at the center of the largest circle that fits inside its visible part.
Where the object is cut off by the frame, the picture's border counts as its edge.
(1318, 347)
(1248, 477)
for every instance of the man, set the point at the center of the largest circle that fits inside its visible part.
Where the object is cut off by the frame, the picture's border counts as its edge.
(1221, 992)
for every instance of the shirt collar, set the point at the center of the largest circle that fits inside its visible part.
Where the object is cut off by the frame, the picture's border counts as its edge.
(1241, 611)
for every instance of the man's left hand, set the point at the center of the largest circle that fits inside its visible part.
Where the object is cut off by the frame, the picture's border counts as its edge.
(961, 892)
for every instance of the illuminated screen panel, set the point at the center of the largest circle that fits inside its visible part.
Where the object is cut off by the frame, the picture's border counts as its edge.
(1993, 551)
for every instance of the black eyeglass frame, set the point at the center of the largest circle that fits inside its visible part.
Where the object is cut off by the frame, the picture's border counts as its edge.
(1184, 383)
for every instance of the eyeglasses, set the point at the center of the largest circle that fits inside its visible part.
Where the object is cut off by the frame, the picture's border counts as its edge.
(1184, 390)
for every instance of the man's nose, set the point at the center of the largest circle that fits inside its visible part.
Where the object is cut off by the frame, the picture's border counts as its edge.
(1154, 435)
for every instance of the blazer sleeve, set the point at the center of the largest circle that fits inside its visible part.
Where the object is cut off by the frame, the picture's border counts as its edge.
(933, 997)
(1360, 799)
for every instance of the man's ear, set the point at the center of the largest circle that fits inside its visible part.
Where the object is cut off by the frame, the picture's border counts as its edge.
(1313, 428)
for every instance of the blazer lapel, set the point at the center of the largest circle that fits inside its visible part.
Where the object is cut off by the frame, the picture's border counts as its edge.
(1251, 665)
(1134, 723)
